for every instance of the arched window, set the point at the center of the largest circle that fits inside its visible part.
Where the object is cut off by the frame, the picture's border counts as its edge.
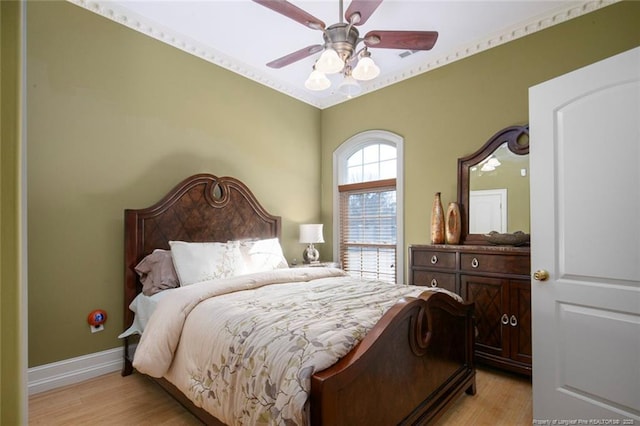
(368, 236)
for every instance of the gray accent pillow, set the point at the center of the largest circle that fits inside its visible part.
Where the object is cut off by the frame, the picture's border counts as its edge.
(157, 272)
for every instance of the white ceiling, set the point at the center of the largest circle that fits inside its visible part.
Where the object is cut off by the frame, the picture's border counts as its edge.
(243, 36)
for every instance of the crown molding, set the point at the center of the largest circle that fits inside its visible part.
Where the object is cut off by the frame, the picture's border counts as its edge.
(509, 34)
(128, 18)
(121, 15)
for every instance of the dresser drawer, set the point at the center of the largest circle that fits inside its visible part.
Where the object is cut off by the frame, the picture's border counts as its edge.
(434, 279)
(497, 263)
(433, 259)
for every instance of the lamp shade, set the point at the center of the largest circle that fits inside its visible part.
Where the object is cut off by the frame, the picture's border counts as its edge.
(366, 69)
(329, 62)
(317, 81)
(311, 233)
(349, 86)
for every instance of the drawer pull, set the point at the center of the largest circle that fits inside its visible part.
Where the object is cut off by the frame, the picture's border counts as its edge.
(474, 262)
(434, 259)
(513, 321)
(505, 319)
(434, 283)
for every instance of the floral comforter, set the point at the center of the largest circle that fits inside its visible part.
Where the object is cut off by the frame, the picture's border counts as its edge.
(245, 348)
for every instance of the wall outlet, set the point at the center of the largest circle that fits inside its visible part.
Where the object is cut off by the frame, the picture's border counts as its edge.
(96, 328)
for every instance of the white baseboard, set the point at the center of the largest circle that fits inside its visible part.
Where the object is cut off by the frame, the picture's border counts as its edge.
(74, 370)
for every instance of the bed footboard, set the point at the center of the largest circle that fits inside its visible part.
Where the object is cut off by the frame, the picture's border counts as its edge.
(415, 362)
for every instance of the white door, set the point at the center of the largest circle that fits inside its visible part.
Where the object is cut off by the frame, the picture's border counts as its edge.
(487, 212)
(585, 231)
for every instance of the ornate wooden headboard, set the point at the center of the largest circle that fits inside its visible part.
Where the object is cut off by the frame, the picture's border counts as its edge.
(201, 208)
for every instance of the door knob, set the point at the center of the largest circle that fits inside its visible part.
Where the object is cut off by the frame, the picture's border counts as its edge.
(540, 275)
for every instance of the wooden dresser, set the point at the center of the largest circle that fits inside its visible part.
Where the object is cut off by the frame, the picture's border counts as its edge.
(497, 279)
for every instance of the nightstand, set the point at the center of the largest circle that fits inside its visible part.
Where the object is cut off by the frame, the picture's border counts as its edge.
(319, 264)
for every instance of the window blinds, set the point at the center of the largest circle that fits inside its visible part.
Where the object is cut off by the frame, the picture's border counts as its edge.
(368, 229)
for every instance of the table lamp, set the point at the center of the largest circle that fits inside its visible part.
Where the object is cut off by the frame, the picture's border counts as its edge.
(310, 234)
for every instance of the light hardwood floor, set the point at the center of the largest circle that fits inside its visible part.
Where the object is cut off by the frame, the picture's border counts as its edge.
(501, 399)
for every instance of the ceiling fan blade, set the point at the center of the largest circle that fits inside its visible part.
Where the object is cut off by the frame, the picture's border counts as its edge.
(412, 40)
(294, 12)
(361, 10)
(295, 56)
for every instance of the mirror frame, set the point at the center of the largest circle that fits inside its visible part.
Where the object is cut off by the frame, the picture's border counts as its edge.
(512, 137)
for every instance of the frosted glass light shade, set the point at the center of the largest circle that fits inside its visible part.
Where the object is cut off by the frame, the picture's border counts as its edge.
(311, 233)
(366, 69)
(317, 81)
(490, 165)
(329, 62)
(349, 86)
(494, 162)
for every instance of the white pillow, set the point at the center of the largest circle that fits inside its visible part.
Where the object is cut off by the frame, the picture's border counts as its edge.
(262, 255)
(196, 262)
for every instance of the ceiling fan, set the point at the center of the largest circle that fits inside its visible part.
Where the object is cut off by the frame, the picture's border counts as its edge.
(339, 54)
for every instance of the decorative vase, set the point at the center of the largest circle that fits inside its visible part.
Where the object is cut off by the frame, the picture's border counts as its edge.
(453, 224)
(437, 221)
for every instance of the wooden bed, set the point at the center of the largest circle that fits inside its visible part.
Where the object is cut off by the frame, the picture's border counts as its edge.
(407, 370)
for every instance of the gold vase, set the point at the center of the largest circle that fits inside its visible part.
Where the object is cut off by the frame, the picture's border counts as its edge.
(453, 224)
(437, 221)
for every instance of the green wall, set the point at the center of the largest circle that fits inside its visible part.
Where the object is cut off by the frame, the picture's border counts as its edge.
(115, 119)
(12, 394)
(451, 111)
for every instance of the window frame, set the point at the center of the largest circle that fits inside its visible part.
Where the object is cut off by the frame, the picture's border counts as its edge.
(340, 176)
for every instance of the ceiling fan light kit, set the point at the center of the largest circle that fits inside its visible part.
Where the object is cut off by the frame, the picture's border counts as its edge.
(317, 81)
(366, 68)
(349, 86)
(329, 62)
(340, 41)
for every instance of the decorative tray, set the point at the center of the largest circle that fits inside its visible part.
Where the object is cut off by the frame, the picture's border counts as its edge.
(518, 238)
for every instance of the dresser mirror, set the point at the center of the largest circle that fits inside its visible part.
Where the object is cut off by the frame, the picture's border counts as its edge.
(493, 186)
